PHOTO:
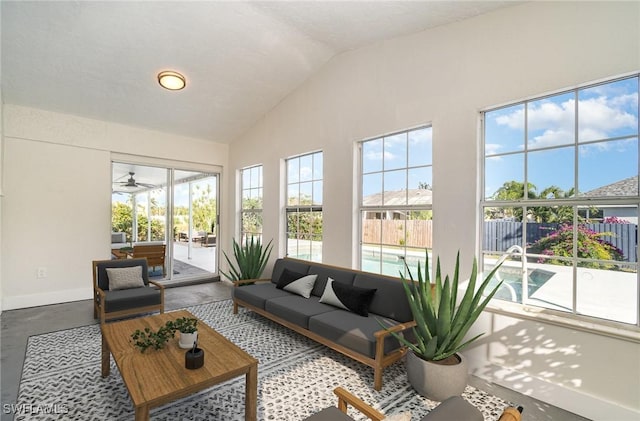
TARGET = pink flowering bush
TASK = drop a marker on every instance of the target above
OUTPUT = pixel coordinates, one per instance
(591, 245)
(614, 220)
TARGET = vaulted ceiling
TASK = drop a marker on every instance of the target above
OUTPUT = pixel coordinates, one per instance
(100, 59)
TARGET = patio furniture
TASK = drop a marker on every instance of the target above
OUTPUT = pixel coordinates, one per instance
(154, 253)
(454, 408)
(115, 292)
(209, 240)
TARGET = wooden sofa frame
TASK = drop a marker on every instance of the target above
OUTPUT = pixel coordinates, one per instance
(378, 363)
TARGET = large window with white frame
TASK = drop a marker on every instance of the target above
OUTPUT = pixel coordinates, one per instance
(251, 212)
(304, 206)
(396, 201)
(561, 198)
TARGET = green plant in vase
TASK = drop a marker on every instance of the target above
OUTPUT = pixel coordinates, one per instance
(250, 260)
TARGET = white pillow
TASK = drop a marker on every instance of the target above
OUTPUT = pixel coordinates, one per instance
(330, 297)
(125, 278)
(302, 286)
(402, 416)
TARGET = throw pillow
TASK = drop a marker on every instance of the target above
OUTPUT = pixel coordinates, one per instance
(402, 416)
(347, 297)
(297, 283)
(125, 278)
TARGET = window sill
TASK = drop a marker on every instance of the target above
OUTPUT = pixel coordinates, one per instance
(543, 315)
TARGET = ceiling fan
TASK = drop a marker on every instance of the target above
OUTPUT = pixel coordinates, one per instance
(132, 183)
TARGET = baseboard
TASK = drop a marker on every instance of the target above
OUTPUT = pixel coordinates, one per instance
(574, 401)
(47, 298)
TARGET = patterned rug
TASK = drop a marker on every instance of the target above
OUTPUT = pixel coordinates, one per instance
(296, 377)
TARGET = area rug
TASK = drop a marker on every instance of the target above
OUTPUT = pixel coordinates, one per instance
(296, 377)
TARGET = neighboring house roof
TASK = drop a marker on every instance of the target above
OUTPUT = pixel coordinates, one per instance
(400, 198)
(626, 187)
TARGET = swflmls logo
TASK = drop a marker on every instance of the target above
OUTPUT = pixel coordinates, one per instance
(32, 409)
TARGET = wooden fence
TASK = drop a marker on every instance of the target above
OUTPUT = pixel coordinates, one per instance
(392, 232)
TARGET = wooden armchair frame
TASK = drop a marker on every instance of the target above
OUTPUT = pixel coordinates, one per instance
(99, 298)
(345, 398)
(154, 253)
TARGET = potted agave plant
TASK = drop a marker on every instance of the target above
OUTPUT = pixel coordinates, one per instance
(435, 367)
(251, 259)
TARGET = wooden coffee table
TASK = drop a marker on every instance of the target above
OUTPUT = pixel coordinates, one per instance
(156, 377)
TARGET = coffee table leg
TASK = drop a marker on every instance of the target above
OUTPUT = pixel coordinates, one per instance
(142, 413)
(251, 394)
(106, 367)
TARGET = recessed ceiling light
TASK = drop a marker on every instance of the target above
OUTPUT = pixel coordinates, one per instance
(173, 81)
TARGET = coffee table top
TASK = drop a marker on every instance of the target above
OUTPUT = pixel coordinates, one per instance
(159, 376)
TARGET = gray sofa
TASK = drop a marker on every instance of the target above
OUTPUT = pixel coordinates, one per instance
(361, 338)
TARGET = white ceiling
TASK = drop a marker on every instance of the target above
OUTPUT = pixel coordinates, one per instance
(100, 59)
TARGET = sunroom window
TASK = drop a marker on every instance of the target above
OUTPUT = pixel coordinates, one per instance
(560, 197)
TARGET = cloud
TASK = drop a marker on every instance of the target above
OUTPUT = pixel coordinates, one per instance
(598, 118)
(377, 156)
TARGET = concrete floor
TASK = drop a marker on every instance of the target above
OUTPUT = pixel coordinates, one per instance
(18, 325)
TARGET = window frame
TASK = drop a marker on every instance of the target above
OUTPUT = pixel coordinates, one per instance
(524, 308)
(258, 212)
(304, 208)
(382, 208)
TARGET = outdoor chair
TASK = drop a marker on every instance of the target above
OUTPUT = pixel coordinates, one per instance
(122, 288)
(452, 409)
(154, 253)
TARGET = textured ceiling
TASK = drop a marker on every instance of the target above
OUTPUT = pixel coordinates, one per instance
(100, 59)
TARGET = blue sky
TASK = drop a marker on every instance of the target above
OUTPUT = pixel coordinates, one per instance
(604, 112)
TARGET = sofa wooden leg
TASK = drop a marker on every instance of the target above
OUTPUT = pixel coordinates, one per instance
(377, 378)
(235, 308)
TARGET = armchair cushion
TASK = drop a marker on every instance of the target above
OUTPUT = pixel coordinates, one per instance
(329, 414)
(125, 278)
(126, 299)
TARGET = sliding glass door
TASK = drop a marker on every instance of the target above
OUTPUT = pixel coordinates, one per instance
(169, 211)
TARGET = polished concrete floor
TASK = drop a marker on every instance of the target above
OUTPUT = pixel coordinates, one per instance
(18, 325)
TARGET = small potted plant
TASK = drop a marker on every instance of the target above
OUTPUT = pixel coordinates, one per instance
(188, 331)
(147, 338)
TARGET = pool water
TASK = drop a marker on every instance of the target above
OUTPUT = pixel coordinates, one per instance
(511, 289)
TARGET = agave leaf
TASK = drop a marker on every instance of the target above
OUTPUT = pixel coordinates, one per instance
(250, 259)
(441, 325)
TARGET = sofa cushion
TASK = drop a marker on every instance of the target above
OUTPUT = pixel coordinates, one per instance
(352, 331)
(125, 299)
(454, 408)
(258, 294)
(296, 309)
(296, 283)
(329, 414)
(343, 276)
(125, 278)
(293, 265)
(390, 299)
(348, 297)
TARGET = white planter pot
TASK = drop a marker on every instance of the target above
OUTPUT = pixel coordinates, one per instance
(436, 381)
(186, 340)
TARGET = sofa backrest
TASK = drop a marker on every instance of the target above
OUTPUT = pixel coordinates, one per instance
(343, 276)
(390, 299)
(291, 264)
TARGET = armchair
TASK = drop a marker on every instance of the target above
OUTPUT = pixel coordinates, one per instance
(128, 292)
(452, 409)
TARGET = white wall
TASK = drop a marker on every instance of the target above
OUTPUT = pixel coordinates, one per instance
(444, 76)
(56, 210)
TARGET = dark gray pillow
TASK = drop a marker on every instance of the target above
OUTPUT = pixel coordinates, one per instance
(354, 299)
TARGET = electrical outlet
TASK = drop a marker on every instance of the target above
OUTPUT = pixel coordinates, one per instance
(41, 273)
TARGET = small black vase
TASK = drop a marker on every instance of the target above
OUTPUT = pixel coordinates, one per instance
(194, 358)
